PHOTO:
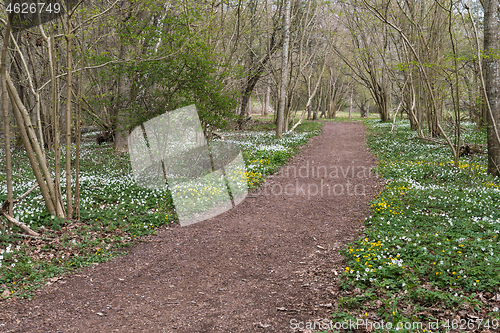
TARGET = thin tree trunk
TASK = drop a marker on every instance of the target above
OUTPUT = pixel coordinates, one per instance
(492, 78)
(55, 118)
(350, 103)
(320, 101)
(249, 106)
(399, 107)
(263, 110)
(38, 103)
(6, 122)
(69, 197)
(268, 95)
(78, 130)
(78, 134)
(284, 70)
(120, 120)
(457, 91)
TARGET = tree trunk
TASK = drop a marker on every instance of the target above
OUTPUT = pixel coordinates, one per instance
(262, 101)
(119, 119)
(350, 103)
(492, 78)
(55, 128)
(69, 197)
(284, 69)
(382, 101)
(318, 103)
(6, 122)
(266, 98)
(46, 193)
(78, 129)
(249, 106)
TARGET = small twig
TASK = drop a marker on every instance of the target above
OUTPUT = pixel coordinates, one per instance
(21, 197)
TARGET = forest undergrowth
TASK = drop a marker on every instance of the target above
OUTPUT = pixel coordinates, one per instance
(430, 254)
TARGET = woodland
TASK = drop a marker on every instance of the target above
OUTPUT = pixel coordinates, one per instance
(117, 64)
(100, 68)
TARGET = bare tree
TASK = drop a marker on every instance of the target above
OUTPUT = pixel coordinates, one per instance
(366, 55)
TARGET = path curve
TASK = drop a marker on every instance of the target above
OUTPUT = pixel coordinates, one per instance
(256, 268)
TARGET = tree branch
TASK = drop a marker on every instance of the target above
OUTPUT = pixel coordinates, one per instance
(21, 197)
(19, 224)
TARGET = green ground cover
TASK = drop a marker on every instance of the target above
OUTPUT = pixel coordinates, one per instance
(431, 249)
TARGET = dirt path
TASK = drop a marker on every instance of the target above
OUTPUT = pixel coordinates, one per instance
(253, 269)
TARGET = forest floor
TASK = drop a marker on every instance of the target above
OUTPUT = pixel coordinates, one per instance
(272, 261)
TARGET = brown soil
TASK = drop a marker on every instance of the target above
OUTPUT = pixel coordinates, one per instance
(272, 259)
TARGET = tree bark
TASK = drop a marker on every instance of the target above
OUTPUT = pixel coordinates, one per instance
(492, 78)
(350, 103)
(5, 109)
(268, 96)
(265, 99)
(69, 197)
(78, 129)
(284, 69)
(249, 106)
(19, 224)
(55, 118)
